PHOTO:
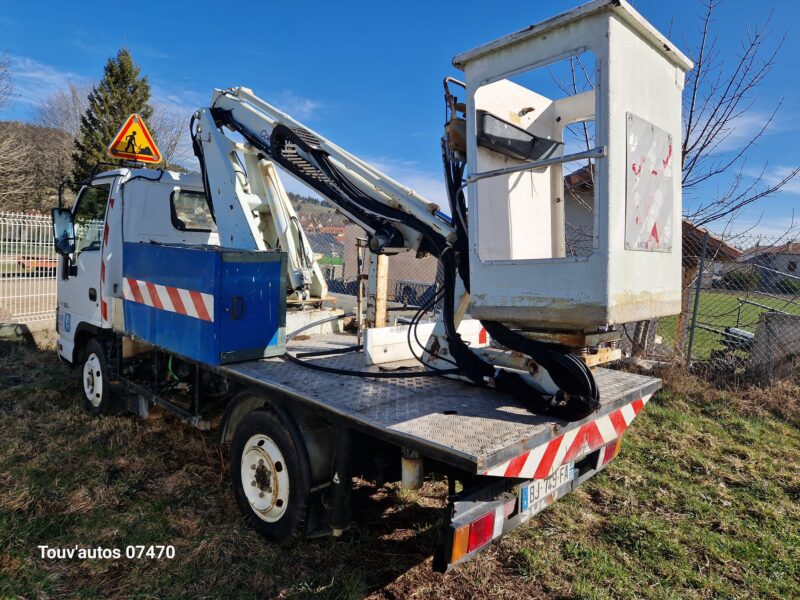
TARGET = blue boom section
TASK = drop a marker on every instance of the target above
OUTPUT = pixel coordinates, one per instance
(249, 301)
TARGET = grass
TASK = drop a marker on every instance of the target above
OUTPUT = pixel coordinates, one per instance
(720, 309)
(703, 502)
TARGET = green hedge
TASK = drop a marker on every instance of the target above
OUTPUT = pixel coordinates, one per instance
(789, 285)
(746, 278)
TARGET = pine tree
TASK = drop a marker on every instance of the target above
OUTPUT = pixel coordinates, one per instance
(121, 92)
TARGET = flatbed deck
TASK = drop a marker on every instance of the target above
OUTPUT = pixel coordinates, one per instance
(469, 427)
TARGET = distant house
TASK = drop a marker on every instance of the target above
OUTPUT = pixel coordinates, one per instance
(775, 263)
(579, 233)
(717, 249)
(579, 218)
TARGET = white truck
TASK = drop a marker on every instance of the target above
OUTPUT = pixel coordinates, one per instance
(177, 290)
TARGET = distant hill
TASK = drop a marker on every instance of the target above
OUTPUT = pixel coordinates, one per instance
(309, 204)
(316, 211)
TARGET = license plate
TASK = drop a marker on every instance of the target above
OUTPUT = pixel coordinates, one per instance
(538, 494)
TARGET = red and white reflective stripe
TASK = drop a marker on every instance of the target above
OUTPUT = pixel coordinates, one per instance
(542, 461)
(163, 297)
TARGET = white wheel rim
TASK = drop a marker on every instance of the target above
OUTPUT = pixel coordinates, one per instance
(265, 478)
(93, 380)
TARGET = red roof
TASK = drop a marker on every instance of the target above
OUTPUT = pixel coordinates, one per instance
(717, 248)
(787, 248)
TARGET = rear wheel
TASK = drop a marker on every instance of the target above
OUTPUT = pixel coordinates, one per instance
(270, 473)
(95, 378)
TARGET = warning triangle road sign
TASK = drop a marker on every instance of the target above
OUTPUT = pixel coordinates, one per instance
(134, 142)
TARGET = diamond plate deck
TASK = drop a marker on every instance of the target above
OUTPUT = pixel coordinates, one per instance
(470, 427)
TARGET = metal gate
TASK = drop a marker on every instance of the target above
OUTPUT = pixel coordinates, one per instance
(27, 269)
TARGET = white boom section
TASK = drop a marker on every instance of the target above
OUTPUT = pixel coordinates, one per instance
(252, 209)
(261, 118)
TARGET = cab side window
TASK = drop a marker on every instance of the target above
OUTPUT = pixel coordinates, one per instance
(89, 213)
(190, 211)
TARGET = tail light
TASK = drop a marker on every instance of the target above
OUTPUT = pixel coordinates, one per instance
(479, 532)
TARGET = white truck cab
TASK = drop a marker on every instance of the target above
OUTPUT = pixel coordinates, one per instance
(133, 205)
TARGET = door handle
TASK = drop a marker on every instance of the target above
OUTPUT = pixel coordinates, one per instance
(237, 308)
(93, 294)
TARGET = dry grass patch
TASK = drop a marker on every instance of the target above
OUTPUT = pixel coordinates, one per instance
(703, 502)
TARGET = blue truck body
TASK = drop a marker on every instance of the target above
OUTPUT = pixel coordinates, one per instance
(210, 304)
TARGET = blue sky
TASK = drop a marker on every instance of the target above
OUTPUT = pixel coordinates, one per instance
(367, 75)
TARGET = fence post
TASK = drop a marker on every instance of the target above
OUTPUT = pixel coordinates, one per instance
(377, 294)
(361, 278)
(697, 298)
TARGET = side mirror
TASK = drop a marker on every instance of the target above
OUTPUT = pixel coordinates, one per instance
(63, 231)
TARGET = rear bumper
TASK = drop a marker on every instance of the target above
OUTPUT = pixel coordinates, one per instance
(500, 499)
(578, 440)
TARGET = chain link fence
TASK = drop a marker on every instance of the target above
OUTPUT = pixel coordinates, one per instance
(740, 314)
(411, 281)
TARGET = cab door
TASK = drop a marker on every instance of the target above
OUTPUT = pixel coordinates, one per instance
(79, 288)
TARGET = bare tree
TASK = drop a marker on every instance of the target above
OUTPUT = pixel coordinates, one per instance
(63, 109)
(170, 126)
(719, 103)
(720, 95)
(16, 181)
(57, 120)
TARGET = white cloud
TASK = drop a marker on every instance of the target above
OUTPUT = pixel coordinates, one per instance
(427, 183)
(106, 46)
(753, 223)
(773, 176)
(149, 52)
(91, 47)
(181, 99)
(778, 174)
(293, 104)
(743, 129)
(35, 81)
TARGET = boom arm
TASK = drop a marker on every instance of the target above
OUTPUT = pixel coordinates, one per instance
(395, 217)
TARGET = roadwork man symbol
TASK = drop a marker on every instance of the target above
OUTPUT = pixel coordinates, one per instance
(134, 142)
(131, 146)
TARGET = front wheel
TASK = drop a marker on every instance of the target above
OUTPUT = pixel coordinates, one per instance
(96, 381)
(271, 476)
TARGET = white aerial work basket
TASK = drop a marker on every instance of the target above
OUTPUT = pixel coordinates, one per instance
(601, 246)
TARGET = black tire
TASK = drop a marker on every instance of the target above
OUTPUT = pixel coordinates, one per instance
(286, 505)
(98, 398)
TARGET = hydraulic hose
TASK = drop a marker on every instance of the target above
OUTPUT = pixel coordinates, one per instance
(336, 371)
